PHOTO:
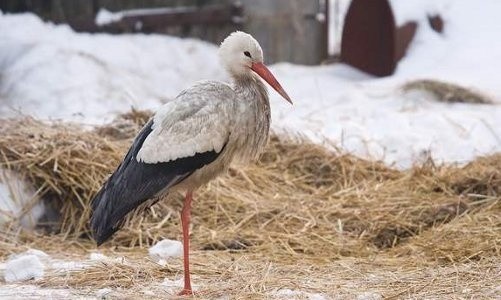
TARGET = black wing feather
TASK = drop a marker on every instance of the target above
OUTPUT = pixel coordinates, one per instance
(133, 183)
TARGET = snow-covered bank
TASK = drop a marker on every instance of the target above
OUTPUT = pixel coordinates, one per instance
(52, 72)
(375, 119)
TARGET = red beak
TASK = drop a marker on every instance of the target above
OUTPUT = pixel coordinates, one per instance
(264, 73)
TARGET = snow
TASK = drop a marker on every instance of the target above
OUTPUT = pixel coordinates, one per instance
(369, 296)
(103, 293)
(34, 263)
(165, 249)
(49, 71)
(104, 17)
(23, 292)
(42, 256)
(22, 268)
(173, 286)
(293, 294)
(96, 256)
(337, 13)
(416, 10)
(99, 257)
(169, 283)
(372, 118)
(63, 266)
(92, 77)
(16, 197)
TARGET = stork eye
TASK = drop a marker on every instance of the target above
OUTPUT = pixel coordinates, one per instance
(247, 53)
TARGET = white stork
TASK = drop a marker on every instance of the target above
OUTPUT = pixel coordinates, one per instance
(191, 140)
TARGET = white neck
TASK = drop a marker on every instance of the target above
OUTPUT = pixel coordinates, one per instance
(251, 88)
(255, 123)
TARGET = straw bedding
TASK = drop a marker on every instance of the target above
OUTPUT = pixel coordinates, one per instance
(300, 203)
(447, 92)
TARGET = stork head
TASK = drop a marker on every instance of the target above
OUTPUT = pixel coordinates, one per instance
(242, 56)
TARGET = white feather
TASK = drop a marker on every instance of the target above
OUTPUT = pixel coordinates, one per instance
(196, 121)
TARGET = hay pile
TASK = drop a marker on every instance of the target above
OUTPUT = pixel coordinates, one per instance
(447, 92)
(300, 200)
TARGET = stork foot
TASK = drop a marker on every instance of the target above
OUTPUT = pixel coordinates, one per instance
(186, 292)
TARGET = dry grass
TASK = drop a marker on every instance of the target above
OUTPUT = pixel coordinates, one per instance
(252, 276)
(447, 92)
(299, 212)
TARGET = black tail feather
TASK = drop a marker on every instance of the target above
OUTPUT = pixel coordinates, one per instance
(100, 224)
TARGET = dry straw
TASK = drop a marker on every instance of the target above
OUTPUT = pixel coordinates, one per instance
(300, 201)
(447, 92)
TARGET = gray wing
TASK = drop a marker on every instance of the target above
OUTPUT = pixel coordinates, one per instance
(197, 121)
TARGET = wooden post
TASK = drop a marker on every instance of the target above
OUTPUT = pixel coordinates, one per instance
(287, 30)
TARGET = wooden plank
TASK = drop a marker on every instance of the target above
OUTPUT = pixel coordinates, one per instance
(118, 5)
(63, 11)
(156, 19)
(54, 10)
(182, 16)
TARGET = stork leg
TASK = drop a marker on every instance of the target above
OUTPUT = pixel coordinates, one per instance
(185, 222)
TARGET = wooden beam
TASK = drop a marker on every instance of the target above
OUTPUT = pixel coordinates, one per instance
(150, 20)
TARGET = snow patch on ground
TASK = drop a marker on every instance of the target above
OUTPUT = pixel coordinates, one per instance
(293, 294)
(173, 283)
(22, 292)
(96, 256)
(103, 293)
(148, 293)
(99, 257)
(164, 250)
(174, 286)
(22, 268)
(33, 264)
(62, 266)
(369, 296)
